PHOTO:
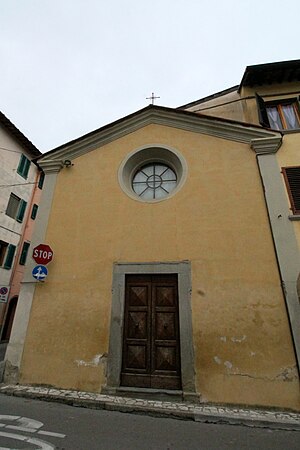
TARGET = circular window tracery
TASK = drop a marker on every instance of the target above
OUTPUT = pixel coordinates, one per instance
(152, 174)
(154, 181)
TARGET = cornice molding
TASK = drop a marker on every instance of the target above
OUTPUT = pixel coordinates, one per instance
(154, 115)
(267, 145)
(51, 165)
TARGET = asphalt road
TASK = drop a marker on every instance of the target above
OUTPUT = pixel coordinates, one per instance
(32, 424)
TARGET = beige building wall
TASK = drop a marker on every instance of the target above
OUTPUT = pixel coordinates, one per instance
(11, 231)
(218, 221)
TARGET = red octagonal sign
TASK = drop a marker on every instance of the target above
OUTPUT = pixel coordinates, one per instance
(42, 254)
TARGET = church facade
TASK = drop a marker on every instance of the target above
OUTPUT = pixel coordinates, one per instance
(176, 258)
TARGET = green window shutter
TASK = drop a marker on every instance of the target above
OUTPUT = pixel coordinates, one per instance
(34, 211)
(21, 211)
(41, 180)
(26, 168)
(262, 112)
(23, 256)
(9, 256)
(23, 167)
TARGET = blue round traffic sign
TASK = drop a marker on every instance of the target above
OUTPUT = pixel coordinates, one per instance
(40, 272)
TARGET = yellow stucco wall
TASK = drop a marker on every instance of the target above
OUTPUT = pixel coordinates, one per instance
(288, 156)
(218, 221)
(228, 105)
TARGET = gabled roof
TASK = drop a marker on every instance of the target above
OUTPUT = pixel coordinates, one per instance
(152, 114)
(277, 72)
(18, 135)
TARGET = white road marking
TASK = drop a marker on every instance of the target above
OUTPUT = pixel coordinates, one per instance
(50, 433)
(30, 423)
(42, 445)
(27, 425)
(6, 417)
(26, 429)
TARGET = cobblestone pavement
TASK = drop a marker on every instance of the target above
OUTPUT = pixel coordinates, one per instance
(276, 419)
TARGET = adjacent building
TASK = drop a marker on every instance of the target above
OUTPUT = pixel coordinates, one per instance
(176, 252)
(19, 199)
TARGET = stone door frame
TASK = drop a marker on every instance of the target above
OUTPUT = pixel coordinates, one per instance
(114, 361)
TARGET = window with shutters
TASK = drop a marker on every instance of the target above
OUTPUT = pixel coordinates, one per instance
(34, 211)
(3, 250)
(292, 179)
(41, 180)
(23, 167)
(279, 115)
(24, 253)
(9, 256)
(16, 207)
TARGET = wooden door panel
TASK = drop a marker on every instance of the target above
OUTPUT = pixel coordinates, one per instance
(165, 358)
(138, 295)
(151, 353)
(165, 295)
(137, 324)
(165, 326)
(136, 362)
(136, 357)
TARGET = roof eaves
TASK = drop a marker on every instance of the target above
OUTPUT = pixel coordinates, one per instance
(19, 136)
(210, 97)
(160, 115)
(274, 67)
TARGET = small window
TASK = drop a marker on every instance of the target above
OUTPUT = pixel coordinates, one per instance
(292, 179)
(280, 115)
(34, 211)
(13, 206)
(23, 167)
(41, 180)
(9, 256)
(283, 116)
(16, 207)
(24, 253)
(3, 249)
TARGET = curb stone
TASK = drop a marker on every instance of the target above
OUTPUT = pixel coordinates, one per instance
(280, 420)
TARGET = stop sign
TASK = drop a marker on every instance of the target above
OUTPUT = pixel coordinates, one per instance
(42, 254)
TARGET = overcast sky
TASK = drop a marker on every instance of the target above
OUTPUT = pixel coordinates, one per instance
(71, 66)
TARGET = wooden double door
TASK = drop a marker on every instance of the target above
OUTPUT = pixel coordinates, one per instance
(151, 345)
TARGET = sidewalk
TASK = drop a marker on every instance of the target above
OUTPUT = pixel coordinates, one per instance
(283, 420)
